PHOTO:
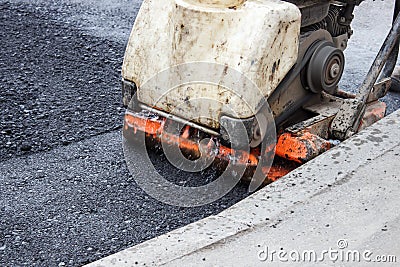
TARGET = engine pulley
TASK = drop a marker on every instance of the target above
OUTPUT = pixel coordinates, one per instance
(325, 68)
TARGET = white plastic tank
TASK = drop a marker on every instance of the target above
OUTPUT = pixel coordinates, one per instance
(258, 38)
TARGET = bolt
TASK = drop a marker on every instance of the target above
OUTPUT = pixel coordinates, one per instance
(334, 71)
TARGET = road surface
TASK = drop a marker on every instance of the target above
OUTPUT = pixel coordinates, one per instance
(66, 195)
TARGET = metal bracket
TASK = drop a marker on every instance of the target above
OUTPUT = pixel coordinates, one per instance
(349, 114)
(347, 120)
(379, 90)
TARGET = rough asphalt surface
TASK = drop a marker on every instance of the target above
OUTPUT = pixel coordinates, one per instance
(60, 83)
(66, 195)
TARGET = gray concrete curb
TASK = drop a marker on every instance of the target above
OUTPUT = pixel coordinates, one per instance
(267, 206)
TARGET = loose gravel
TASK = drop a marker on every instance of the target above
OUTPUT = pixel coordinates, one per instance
(58, 85)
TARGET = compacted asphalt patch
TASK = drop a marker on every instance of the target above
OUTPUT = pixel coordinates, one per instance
(58, 84)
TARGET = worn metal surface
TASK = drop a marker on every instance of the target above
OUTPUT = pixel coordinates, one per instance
(309, 138)
(172, 32)
(347, 120)
(374, 112)
(302, 147)
(153, 126)
(194, 144)
(379, 90)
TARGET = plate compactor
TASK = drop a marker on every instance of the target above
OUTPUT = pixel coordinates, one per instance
(291, 52)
